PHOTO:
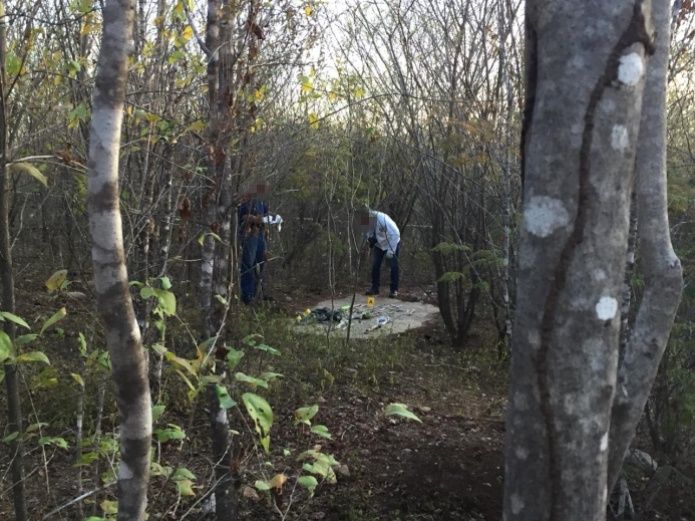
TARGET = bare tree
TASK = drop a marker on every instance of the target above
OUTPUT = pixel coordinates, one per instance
(110, 274)
(593, 105)
(7, 281)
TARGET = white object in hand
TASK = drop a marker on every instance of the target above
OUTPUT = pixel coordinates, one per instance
(274, 219)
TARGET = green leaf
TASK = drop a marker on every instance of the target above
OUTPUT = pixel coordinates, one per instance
(254, 382)
(260, 412)
(11, 437)
(5, 346)
(13, 65)
(159, 349)
(55, 441)
(147, 292)
(29, 169)
(223, 397)
(267, 349)
(166, 283)
(262, 485)
(400, 409)
(82, 344)
(25, 339)
(305, 414)
(159, 470)
(185, 487)
(56, 281)
(167, 301)
(14, 318)
(181, 362)
(270, 376)
(78, 379)
(322, 431)
(171, 432)
(234, 356)
(33, 356)
(109, 507)
(183, 473)
(35, 427)
(308, 482)
(157, 411)
(78, 115)
(57, 316)
(250, 340)
(87, 458)
(450, 277)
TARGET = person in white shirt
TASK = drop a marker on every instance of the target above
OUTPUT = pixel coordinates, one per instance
(384, 238)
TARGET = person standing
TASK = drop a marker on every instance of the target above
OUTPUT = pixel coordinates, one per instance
(384, 239)
(251, 212)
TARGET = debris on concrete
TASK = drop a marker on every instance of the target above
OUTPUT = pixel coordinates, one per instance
(369, 317)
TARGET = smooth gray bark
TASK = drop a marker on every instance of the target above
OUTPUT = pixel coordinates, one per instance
(586, 68)
(110, 276)
(659, 265)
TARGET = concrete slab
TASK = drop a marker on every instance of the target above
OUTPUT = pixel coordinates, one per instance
(385, 317)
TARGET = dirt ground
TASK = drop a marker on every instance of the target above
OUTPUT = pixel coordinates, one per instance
(449, 467)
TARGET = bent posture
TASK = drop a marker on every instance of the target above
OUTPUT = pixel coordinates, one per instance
(384, 239)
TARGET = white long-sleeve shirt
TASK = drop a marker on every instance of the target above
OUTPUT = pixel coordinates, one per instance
(385, 231)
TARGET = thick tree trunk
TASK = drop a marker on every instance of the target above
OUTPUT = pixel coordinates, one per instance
(658, 262)
(14, 408)
(110, 275)
(580, 138)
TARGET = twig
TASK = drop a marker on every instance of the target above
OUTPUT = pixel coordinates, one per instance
(77, 499)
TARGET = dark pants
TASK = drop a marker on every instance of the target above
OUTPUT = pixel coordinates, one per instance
(252, 255)
(377, 257)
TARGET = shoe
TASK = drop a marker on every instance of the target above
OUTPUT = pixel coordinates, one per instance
(393, 294)
(372, 292)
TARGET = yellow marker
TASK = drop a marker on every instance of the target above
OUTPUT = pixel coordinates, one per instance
(370, 302)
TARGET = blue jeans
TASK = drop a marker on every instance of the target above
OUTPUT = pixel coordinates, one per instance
(252, 254)
(377, 257)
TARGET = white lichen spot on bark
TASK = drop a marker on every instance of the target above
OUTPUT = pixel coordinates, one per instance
(516, 503)
(599, 275)
(606, 308)
(543, 215)
(521, 453)
(619, 138)
(222, 417)
(630, 69)
(604, 443)
(124, 471)
(208, 266)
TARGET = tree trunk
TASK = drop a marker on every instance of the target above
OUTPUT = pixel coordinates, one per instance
(110, 274)
(580, 138)
(658, 262)
(14, 408)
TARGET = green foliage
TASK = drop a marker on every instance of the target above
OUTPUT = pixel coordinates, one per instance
(305, 414)
(451, 276)
(262, 415)
(30, 170)
(223, 397)
(55, 318)
(400, 409)
(447, 248)
(169, 433)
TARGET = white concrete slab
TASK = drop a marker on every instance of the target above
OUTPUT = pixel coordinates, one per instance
(386, 317)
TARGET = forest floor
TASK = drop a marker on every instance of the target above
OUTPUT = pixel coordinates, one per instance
(448, 467)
